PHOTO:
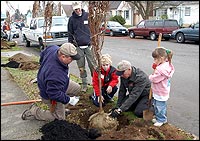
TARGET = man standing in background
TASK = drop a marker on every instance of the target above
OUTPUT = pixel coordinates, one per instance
(79, 35)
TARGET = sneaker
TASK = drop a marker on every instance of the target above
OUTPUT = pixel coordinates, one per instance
(154, 120)
(27, 115)
(158, 124)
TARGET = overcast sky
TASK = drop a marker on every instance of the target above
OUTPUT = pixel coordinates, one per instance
(23, 6)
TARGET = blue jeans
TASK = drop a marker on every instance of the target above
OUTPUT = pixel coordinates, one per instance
(160, 108)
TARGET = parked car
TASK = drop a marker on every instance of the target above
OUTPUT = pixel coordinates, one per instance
(152, 29)
(57, 35)
(114, 28)
(190, 34)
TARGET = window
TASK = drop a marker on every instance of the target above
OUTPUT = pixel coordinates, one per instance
(187, 11)
(141, 24)
(126, 14)
(159, 23)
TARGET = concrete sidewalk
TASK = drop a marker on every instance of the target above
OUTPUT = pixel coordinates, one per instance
(12, 126)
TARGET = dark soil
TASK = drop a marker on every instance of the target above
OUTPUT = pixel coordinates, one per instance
(136, 129)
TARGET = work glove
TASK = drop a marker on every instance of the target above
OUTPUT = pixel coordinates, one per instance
(74, 100)
(102, 99)
(115, 113)
(154, 65)
(109, 89)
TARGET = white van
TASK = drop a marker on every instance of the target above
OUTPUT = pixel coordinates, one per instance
(57, 35)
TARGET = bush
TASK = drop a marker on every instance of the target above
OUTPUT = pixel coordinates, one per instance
(118, 18)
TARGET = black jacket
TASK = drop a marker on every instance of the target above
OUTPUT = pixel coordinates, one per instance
(78, 29)
(137, 85)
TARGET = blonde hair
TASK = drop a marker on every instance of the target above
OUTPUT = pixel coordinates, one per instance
(106, 59)
(162, 52)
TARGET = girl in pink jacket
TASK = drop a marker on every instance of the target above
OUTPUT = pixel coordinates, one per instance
(160, 79)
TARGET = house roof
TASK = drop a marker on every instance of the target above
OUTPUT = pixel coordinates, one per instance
(114, 4)
(67, 9)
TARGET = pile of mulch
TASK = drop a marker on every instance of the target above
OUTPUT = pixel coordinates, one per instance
(22, 61)
(63, 130)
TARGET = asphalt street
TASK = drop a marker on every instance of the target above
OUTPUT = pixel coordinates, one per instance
(183, 109)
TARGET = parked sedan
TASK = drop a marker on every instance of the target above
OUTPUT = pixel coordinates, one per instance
(190, 33)
(114, 28)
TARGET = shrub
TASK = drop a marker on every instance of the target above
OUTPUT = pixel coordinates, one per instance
(118, 18)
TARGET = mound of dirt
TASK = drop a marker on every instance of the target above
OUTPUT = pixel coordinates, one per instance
(20, 57)
(63, 130)
(128, 129)
(23, 62)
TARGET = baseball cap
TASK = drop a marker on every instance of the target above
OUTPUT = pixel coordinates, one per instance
(122, 66)
(76, 5)
(70, 50)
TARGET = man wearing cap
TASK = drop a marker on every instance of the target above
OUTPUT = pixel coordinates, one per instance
(79, 35)
(133, 91)
(54, 83)
(109, 81)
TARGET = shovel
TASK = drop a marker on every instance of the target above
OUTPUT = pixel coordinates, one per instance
(148, 114)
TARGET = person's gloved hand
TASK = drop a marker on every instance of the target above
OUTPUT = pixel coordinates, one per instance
(115, 113)
(102, 99)
(74, 100)
(109, 89)
(110, 110)
(154, 65)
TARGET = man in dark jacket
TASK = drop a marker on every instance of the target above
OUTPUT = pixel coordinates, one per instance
(79, 35)
(54, 83)
(134, 90)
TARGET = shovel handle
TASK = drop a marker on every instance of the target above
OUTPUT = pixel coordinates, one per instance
(20, 102)
(159, 39)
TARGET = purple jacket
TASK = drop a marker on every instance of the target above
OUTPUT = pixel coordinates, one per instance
(53, 77)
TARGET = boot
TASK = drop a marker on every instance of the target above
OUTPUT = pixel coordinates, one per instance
(84, 85)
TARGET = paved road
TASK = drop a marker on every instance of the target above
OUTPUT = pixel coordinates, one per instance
(183, 105)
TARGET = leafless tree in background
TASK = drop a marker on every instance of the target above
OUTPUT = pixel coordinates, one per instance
(36, 8)
(145, 8)
(97, 15)
(48, 18)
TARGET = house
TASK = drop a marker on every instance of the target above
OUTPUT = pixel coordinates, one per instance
(121, 8)
(186, 13)
(66, 10)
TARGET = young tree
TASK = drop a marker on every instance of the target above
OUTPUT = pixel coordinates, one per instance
(97, 15)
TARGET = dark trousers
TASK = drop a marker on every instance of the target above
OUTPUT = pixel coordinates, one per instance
(107, 97)
(140, 105)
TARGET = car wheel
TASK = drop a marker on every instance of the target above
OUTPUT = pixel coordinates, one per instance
(41, 45)
(28, 43)
(132, 34)
(153, 36)
(180, 38)
(111, 33)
